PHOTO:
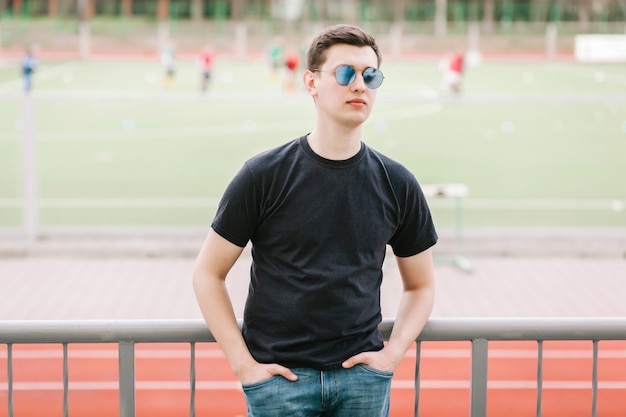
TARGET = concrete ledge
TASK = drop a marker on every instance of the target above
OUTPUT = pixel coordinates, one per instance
(535, 242)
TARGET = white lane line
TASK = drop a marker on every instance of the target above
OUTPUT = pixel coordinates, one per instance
(524, 353)
(114, 385)
(510, 384)
(235, 385)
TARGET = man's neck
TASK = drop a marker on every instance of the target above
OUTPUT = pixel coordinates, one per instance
(335, 144)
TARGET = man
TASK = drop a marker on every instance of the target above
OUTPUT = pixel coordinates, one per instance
(319, 212)
(206, 66)
(168, 61)
(29, 66)
(452, 72)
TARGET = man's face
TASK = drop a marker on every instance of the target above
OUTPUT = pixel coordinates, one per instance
(348, 106)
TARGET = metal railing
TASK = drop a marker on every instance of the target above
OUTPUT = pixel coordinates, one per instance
(126, 333)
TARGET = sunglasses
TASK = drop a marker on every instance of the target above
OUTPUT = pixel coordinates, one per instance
(346, 74)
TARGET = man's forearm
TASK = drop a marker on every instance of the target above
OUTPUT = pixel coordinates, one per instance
(416, 303)
(413, 313)
(219, 315)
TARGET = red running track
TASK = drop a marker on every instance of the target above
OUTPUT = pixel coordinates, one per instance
(162, 375)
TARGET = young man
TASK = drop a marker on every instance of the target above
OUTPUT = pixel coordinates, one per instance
(29, 66)
(319, 212)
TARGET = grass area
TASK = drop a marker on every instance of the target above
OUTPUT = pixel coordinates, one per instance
(539, 144)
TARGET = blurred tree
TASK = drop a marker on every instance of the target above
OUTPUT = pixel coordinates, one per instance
(163, 7)
(584, 9)
(323, 9)
(17, 7)
(473, 12)
(67, 8)
(489, 16)
(441, 17)
(236, 10)
(399, 10)
(197, 10)
(585, 12)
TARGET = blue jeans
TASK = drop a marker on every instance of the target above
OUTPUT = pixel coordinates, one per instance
(360, 391)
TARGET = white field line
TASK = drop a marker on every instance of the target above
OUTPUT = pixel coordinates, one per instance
(244, 128)
(236, 386)
(43, 73)
(597, 75)
(115, 202)
(403, 113)
(218, 354)
(469, 203)
(532, 204)
(174, 133)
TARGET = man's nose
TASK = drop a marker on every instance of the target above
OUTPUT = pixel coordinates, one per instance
(359, 81)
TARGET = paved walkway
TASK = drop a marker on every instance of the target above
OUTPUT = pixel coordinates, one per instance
(66, 287)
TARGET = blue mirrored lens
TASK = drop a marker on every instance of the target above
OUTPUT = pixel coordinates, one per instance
(345, 75)
(373, 77)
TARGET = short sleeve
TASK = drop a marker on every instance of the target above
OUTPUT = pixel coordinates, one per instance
(237, 215)
(416, 230)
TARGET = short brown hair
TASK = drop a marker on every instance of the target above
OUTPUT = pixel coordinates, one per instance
(338, 34)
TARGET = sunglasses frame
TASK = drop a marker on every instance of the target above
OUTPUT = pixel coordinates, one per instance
(350, 80)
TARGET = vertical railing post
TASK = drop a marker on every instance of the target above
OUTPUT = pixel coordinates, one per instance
(594, 381)
(478, 390)
(539, 377)
(192, 382)
(10, 377)
(418, 359)
(66, 376)
(127, 378)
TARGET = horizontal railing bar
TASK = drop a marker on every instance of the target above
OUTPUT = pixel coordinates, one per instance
(532, 329)
(104, 331)
(195, 330)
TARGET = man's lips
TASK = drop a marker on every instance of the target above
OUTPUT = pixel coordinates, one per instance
(357, 102)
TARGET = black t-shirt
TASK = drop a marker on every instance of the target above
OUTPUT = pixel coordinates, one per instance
(319, 230)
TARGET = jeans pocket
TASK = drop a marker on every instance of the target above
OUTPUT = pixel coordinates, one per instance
(378, 372)
(273, 397)
(260, 384)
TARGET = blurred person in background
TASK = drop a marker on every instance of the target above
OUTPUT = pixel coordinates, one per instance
(451, 68)
(275, 58)
(168, 61)
(206, 67)
(291, 71)
(319, 212)
(29, 65)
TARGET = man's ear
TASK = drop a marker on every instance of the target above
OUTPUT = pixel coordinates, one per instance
(310, 82)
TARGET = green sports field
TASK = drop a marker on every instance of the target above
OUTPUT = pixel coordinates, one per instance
(537, 143)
